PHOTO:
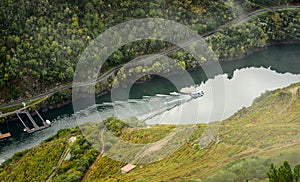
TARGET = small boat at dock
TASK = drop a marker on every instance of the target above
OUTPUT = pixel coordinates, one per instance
(48, 122)
(4, 136)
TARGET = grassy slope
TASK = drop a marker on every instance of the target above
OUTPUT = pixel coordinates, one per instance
(36, 164)
(270, 124)
(249, 141)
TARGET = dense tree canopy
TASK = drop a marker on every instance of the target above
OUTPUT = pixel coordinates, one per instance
(284, 173)
(41, 41)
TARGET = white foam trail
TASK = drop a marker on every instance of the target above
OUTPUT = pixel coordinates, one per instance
(175, 94)
(107, 103)
(161, 95)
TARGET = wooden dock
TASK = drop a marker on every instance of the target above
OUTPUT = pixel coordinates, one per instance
(4, 136)
(36, 127)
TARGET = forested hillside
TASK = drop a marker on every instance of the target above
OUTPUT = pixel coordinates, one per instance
(41, 40)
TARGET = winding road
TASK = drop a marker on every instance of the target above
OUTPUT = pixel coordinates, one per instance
(115, 69)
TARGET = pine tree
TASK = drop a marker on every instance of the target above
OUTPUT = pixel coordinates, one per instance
(297, 173)
(284, 173)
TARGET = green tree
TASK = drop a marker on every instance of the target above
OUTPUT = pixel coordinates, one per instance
(297, 173)
(284, 173)
(273, 173)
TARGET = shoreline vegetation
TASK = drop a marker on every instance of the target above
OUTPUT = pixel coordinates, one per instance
(230, 43)
(251, 141)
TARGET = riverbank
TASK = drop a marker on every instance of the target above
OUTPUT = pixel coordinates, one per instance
(245, 80)
(45, 106)
(46, 51)
(64, 97)
(247, 140)
(256, 50)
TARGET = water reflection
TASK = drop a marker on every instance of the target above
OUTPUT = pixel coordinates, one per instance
(245, 80)
(241, 90)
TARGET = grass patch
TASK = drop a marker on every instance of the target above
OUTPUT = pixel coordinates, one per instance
(248, 143)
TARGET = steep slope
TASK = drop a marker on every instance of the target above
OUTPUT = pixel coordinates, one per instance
(248, 142)
(270, 125)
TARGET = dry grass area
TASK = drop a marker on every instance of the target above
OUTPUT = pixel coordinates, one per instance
(252, 132)
(249, 142)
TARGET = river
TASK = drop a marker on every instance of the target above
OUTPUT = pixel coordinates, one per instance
(276, 67)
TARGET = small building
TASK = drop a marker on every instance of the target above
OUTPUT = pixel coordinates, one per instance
(127, 168)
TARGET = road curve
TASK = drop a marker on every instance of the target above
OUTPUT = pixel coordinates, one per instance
(112, 71)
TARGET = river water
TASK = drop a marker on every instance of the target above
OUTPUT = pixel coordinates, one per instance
(152, 101)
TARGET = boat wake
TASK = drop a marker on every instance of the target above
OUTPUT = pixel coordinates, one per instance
(143, 109)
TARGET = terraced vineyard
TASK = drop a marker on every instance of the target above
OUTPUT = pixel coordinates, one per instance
(248, 142)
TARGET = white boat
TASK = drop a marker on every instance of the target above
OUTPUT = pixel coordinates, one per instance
(48, 122)
(196, 94)
(175, 93)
